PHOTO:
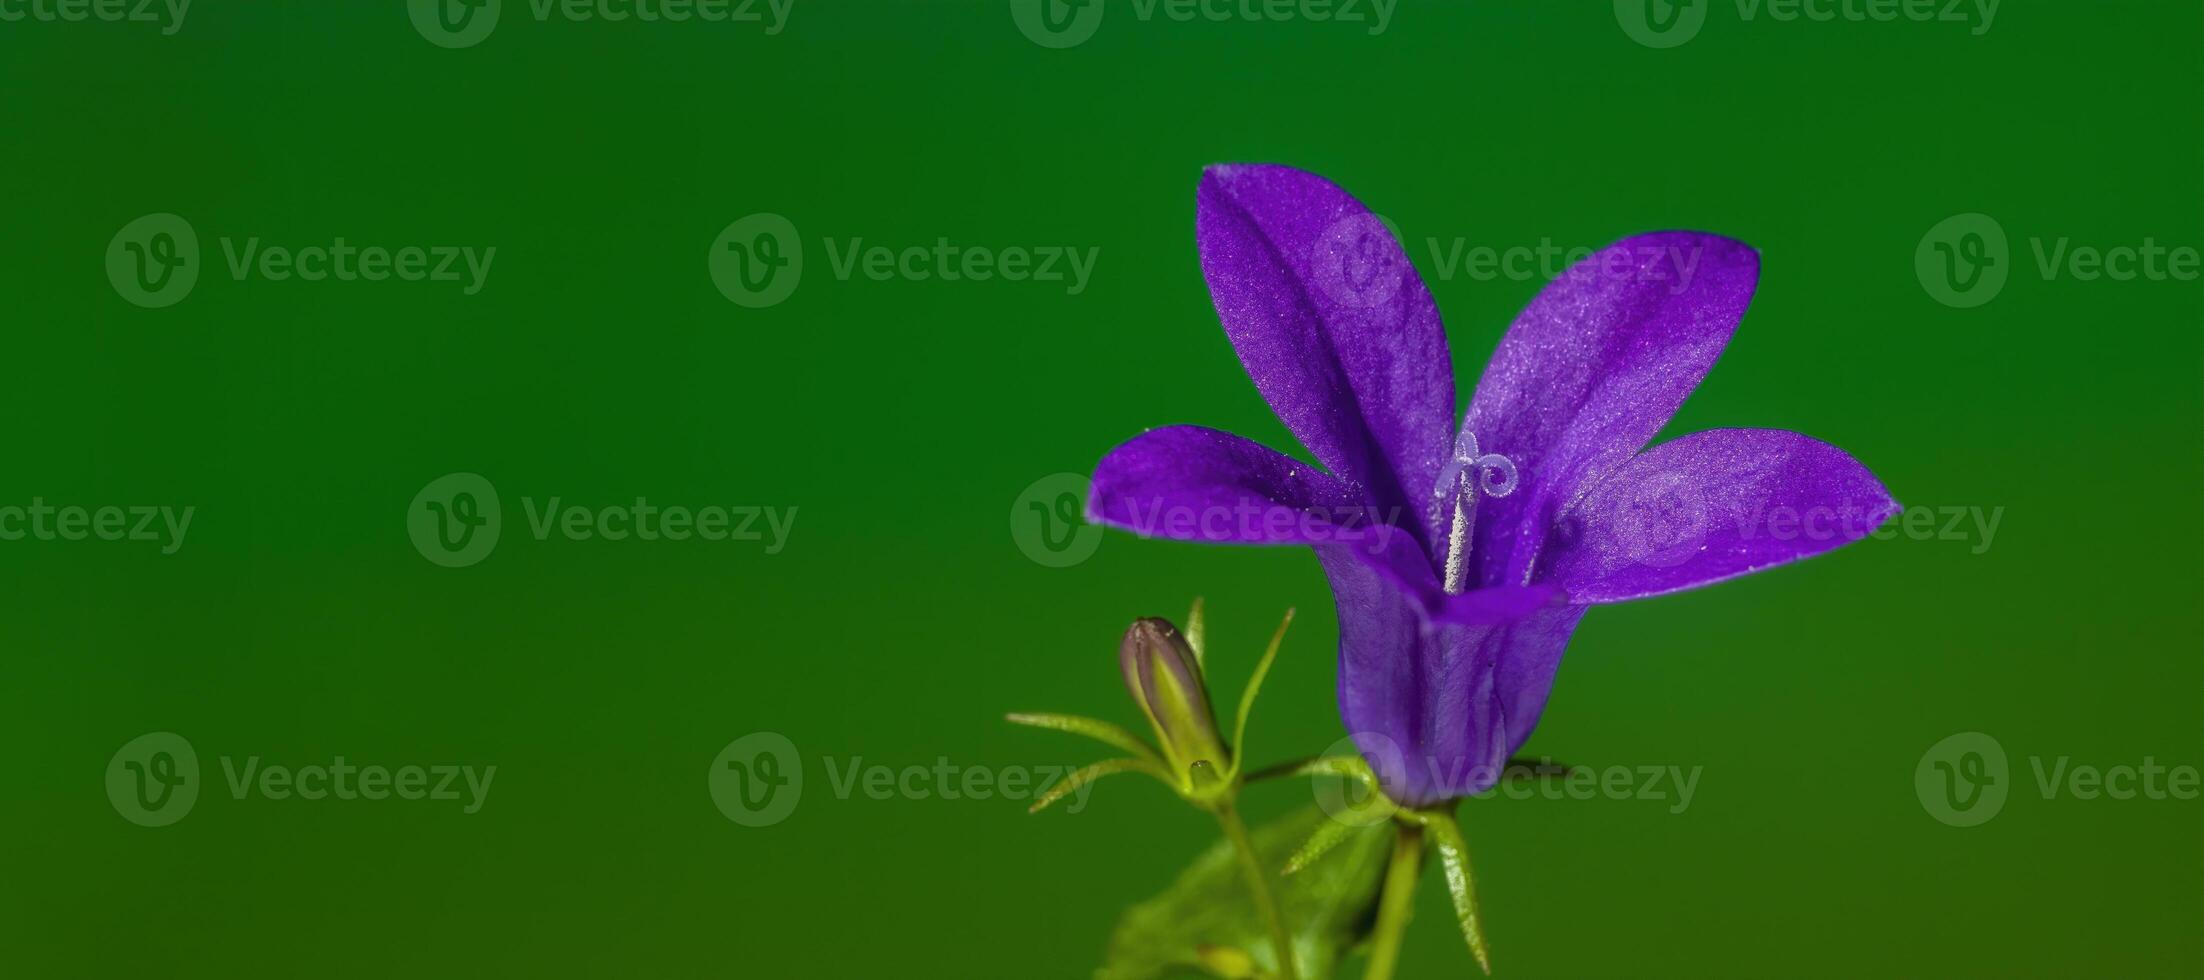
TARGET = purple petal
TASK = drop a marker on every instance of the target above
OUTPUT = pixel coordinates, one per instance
(1334, 326)
(1437, 709)
(1189, 483)
(1592, 369)
(1711, 506)
(1498, 604)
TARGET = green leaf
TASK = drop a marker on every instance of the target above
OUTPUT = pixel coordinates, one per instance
(1327, 906)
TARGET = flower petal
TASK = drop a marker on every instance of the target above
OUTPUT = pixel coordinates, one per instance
(1190, 483)
(1335, 327)
(1711, 506)
(1592, 369)
(1437, 709)
(1497, 604)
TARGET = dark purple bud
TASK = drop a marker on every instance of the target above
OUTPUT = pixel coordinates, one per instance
(1166, 682)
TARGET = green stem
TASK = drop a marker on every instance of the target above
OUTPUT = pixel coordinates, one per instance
(1258, 882)
(1275, 771)
(1397, 904)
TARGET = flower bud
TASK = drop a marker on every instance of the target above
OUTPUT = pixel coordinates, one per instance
(1166, 681)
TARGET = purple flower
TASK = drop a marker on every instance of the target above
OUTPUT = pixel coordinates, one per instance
(1461, 559)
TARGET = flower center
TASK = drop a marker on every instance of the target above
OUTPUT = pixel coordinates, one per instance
(1460, 480)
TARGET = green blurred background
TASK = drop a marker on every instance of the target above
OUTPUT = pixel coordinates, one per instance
(904, 419)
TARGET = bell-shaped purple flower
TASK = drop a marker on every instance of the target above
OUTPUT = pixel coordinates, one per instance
(1461, 557)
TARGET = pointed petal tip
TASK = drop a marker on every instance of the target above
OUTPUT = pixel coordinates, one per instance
(1716, 505)
(1227, 171)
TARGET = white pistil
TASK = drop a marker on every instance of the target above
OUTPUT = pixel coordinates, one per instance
(1495, 475)
(1458, 536)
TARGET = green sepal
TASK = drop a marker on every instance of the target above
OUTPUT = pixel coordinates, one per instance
(1328, 835)
(1524, 769)
(1093, 728)
(1453, 850)
(1254, 686)
(1327, 907)
(1070, 784)
(1197, 632)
